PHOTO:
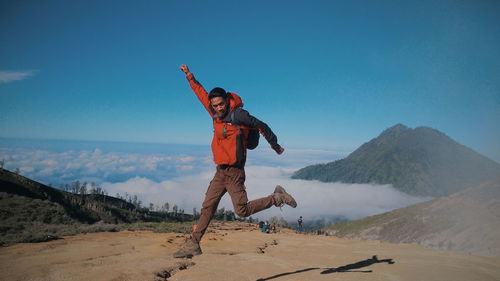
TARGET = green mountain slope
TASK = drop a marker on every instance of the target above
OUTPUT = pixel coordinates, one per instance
(420, 161)
(23, 199)
(33, 212)
(60, 206)
(467, 221)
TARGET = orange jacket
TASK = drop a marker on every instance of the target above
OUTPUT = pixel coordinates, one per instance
(229, 141)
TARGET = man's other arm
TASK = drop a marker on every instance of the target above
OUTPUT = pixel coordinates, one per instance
(244, 118)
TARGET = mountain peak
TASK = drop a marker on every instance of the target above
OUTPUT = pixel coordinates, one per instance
(421, 161)
(392, 133)
(396, 128)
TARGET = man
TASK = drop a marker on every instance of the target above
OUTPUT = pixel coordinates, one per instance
(232, 126)
(299, 224)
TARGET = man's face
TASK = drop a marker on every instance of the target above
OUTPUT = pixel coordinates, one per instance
(219, 105)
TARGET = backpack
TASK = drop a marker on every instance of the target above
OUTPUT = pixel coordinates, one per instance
(253, 133)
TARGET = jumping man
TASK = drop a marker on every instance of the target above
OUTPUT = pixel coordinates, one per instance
(232, 125)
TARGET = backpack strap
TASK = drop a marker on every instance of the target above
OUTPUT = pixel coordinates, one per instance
(233, 120)
(233, 117)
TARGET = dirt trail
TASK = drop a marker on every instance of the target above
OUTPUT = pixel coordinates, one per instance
(236, 252)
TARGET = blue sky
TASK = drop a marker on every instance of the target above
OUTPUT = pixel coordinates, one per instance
(322, 74)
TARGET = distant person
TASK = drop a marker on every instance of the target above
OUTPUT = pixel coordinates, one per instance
(265, 228)
(299, 225)
(232, 128)
(261, 224)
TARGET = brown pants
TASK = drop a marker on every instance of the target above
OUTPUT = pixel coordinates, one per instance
(230, 179)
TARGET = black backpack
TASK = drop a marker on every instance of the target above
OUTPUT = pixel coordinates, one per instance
(253, 133)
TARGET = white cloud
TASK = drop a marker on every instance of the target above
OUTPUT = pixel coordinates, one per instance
(185, 168)
(26, 169)
(72, 165)
(49, 162)
(128, 169)
(97, 153)
(182, 179)
(292, 157)
(10, 76)
(185, 159)
(183, 191)
(98, 164)
(315, 199)
(46, 172)
(135, 186)
(112, 166)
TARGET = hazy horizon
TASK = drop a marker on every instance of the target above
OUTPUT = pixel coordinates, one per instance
(180, 174)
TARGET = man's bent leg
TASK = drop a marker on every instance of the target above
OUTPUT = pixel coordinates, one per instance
(214, 193)
(236, 188)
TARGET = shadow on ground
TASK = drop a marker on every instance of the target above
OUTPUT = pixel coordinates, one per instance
(346, 268)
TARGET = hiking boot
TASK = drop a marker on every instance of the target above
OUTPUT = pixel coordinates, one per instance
(189, 249)
(281, 197)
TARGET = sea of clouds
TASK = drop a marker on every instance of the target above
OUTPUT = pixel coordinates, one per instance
(180, 174)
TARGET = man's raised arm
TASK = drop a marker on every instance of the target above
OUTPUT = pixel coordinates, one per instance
(197, 89)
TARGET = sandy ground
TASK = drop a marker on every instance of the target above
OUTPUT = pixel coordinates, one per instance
(236, 252)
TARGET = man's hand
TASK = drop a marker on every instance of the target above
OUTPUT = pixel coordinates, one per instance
(185, 69)
(280, 150)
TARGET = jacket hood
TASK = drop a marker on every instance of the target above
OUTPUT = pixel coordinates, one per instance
(234, 101)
